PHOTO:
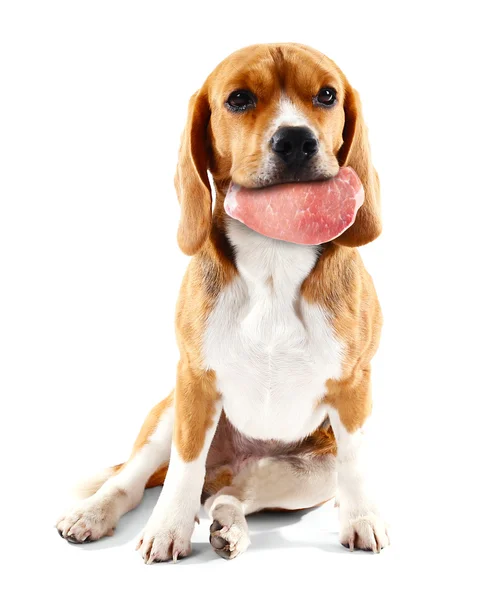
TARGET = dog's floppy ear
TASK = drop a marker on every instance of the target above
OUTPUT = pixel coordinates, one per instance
(355, 152)
(191, 180)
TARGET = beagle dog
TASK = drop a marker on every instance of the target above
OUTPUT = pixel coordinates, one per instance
(273, 388)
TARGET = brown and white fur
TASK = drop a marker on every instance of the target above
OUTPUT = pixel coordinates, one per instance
(273, 383)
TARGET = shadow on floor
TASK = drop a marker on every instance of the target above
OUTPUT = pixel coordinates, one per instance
(265, 532)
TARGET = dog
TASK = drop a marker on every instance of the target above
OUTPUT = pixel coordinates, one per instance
(273, 389)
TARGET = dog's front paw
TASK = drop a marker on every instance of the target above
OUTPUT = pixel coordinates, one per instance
(364, 531)
(165, 539)
(89, 520)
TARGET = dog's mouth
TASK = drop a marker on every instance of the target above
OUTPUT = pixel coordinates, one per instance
(299, 175)
(302, 212)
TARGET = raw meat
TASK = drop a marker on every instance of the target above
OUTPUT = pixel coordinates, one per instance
(311, 212)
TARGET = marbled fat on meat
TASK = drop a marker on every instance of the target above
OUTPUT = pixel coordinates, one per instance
(311, 212)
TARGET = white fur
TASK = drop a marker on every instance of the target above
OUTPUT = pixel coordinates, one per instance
(228, 512)
(273, 482)
(269, 483)
(97, 515)
(361, 524)
(170, 527)
(272, 352)
(152, 454)
(289, 115)
(89, 485)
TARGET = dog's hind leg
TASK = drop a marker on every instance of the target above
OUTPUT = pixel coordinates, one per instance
(282, 482)
(121, 488)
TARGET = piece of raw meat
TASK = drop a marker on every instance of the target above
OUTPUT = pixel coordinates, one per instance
(310, 212)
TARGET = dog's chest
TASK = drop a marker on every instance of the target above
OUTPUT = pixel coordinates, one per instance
(272, 351)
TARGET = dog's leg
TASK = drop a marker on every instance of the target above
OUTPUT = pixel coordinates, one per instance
(289, 483)
(96, 516)
(197, 409)
(361, 524)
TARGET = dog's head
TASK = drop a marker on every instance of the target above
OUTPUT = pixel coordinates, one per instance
(270, 114)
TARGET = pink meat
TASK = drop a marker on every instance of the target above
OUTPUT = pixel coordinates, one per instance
(311, 212)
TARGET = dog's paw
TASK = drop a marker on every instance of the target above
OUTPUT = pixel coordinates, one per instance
(366, 532)
(165, 539)
(229, 535)
(89, 520)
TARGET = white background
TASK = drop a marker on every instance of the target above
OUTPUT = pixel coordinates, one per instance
(93, 100)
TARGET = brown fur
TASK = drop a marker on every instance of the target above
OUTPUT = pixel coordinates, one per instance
(195, 398)
(157, 478)
(151, 421)
(341, 284)
(217, 479)
(230, 146)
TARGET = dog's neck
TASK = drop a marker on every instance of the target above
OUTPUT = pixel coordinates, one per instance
(260, 260)
(266, 263)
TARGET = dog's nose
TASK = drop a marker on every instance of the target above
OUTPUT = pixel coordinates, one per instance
(295, 145)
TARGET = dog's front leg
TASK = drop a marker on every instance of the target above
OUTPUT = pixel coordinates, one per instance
(169, 530)
(361, 524)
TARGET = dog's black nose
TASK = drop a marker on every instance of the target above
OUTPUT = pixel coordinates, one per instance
(295, 145)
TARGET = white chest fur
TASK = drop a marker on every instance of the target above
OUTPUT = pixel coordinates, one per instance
(272, 351)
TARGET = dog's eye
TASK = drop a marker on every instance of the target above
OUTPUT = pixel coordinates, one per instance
(241, 100)
(325, 97)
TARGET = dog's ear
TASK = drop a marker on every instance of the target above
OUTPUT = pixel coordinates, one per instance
(191, 180)
(355, 152)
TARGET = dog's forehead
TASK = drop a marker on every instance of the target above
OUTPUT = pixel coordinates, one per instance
(264, 67)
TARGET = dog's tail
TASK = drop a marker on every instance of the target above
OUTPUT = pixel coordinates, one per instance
(87, 487)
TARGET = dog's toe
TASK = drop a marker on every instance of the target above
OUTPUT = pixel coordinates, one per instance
(229, 535)
(90, 520)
